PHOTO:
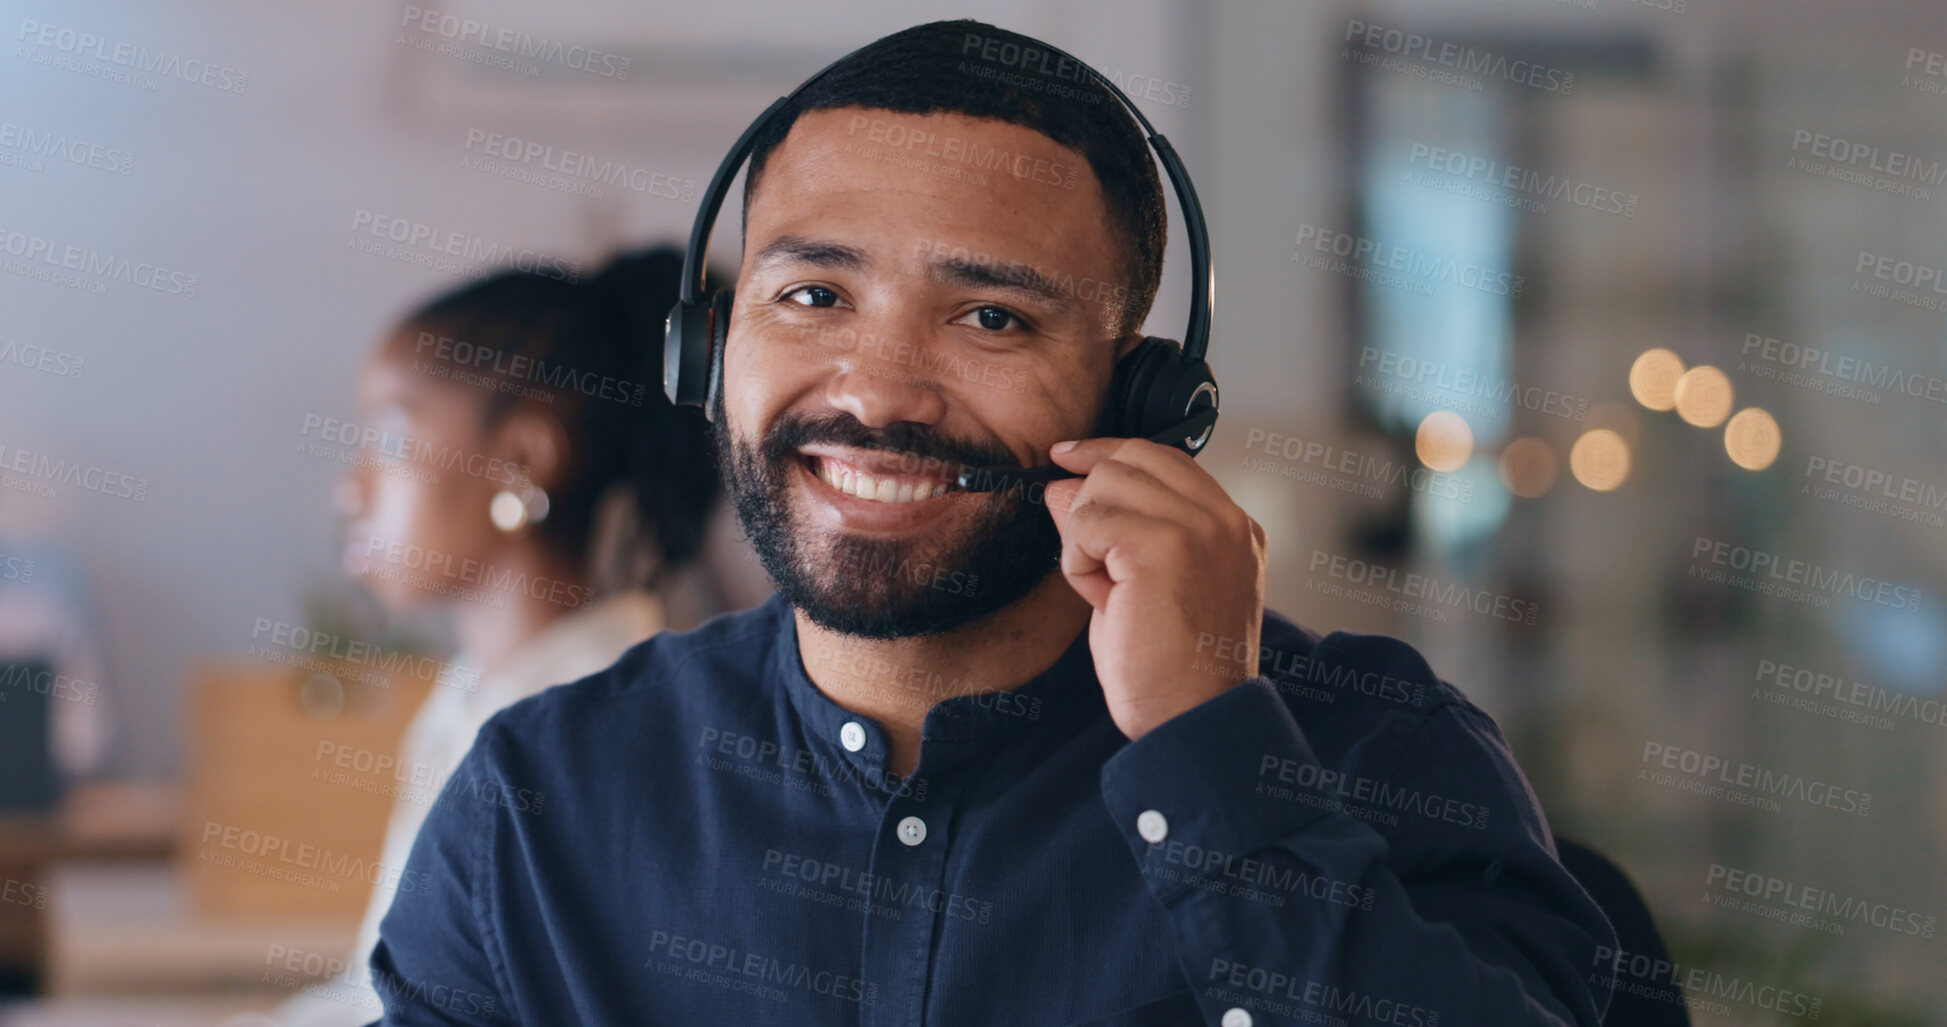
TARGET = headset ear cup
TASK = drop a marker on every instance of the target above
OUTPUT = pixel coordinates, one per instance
(1190, 386)
(1157, 409)
(1164, 388)
(686, 353)
(719, 331)
(1124, 414)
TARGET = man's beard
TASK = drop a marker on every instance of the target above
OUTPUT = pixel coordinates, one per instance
(878, 587)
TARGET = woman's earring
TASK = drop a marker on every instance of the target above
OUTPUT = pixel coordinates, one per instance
(511, 511)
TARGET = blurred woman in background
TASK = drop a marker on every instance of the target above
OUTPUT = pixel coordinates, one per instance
(568, 480)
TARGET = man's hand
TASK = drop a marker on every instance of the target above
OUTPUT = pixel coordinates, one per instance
(1159, 550)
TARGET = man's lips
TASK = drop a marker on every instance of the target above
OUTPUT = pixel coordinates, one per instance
(880, 477)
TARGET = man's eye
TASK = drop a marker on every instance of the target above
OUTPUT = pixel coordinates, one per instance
(996, 319)
(813, 296)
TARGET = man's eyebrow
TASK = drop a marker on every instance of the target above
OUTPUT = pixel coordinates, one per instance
(1015, 277)
(796, 249)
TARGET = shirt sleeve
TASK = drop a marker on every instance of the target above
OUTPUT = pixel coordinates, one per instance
(1413, 882)
(435, 959)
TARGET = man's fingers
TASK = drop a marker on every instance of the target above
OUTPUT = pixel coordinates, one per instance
(1119, 541)
(1176, 469)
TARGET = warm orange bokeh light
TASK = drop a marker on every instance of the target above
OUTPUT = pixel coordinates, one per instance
(1704, 396)
(1599, 459)
(1444, 442)
(1653, 378)
(1753, 439)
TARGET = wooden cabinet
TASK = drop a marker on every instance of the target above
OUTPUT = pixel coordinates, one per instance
(291, 775)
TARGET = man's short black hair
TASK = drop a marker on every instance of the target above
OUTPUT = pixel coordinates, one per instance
(975, 69)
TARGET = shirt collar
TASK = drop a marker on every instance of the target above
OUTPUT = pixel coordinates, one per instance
(1067, 686)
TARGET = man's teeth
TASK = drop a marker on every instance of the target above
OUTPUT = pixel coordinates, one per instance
(878, 490)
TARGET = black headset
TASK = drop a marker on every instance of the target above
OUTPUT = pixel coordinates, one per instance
(1161, 391)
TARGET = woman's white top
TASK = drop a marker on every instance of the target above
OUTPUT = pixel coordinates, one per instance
(571, 647)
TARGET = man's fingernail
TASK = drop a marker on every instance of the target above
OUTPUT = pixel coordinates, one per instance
(1063, 447)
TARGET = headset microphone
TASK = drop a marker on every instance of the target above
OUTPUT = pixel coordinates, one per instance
(1160, 391)
(1189, 434)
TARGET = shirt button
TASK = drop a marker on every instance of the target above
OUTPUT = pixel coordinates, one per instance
(1236, 1017)
(851, 736)
(1151, 825)
(912, 830)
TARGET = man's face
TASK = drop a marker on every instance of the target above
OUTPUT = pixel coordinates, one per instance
(918, 291)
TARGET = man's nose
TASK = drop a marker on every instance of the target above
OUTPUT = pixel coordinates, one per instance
(885, 379)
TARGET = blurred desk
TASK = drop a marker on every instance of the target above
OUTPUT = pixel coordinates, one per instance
(112, 935)
(128, 921)
(103, 820)
(116, 928)
(131, 1012)
(116, 821)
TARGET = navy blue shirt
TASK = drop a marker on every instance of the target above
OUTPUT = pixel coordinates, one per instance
(699, 835)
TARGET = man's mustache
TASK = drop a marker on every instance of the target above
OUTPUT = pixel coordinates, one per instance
(918, 446)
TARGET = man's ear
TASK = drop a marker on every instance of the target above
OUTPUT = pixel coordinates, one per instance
(536, 441)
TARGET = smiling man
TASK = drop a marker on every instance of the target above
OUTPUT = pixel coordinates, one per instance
(1028, 757)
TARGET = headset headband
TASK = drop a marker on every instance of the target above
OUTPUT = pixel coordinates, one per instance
(1196, 338)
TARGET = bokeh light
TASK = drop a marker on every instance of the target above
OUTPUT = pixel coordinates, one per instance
(1599, 459)
(1704, 396)
(1752, 439)
(1653, 378)
(1444, 442)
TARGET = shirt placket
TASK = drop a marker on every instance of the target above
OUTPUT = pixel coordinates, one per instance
(909, 862)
